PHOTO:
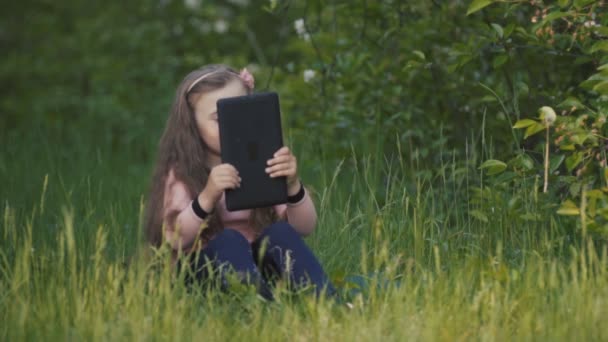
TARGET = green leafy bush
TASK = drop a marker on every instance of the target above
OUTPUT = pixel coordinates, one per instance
(572, 151)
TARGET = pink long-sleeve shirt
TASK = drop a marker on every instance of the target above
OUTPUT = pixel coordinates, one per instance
(182, 231)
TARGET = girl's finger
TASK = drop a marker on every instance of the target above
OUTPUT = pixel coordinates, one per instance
(280, 159)
(279, 167)
(227, 165)
(227, 168)
(283, 150)
(227, 175)
(281, 174)
(288, 173)
(229, 184)
(227, 171)
(230, 179)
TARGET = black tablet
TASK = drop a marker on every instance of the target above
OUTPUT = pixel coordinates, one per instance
(250, 134)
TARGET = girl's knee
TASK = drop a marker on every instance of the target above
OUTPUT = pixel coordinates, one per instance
(280, 231)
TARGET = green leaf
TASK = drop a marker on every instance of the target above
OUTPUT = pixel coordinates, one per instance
(525, 34)
(522, 162)
(601, 87)
(597, 77)
(500, 60)
(488, 98)
(602, 30)
(522, 88)
(498, 30)
(555, 15)
(570, 102)
(573, 160)
(580, 138)
(493, 166)
(575, 188)
(582, 3)
(563, 3)
(525, 162)
(477, 5)
(593, 80)
(419, 54)
(595, 193)
(478, 214)
(508, 30)
(537, 127)
(568, 208)
(505, 177)
(523, 123)
(555, 161)
(411, 65)
(601, 45)
(588, 84)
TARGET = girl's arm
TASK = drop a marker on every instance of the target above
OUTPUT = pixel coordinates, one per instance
(181, 224)
(302, 215)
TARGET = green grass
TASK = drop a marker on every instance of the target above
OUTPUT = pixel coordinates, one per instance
(395, 237)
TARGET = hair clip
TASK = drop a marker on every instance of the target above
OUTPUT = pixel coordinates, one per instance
(247, 78)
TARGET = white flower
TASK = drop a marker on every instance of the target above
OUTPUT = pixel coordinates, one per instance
(192, 4)
(308, 75)
(301, 29)
(220, 26)
(590, 23)
(299, 26)
(547, 114)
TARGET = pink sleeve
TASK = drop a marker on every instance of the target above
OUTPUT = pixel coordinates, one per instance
(181, 223)
(302, 215)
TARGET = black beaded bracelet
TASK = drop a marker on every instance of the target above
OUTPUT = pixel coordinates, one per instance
(297, 197)
(198, 210)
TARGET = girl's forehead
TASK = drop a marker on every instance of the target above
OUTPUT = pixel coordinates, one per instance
(231, 89)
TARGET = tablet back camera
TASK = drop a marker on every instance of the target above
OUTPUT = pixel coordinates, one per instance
(252, 151)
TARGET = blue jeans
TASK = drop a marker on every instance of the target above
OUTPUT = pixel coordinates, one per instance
(279, 253)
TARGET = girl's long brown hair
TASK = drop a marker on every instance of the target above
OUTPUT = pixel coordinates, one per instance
(183, 150)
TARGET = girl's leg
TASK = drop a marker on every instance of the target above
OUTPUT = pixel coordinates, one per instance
(228, 251)
(286, 255)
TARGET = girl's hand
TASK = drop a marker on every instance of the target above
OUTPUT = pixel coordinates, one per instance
(285, 164)
(221, 177)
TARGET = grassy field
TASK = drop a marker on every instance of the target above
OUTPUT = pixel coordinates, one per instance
(399, 240)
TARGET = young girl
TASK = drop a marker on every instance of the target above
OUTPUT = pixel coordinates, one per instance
(186, 207)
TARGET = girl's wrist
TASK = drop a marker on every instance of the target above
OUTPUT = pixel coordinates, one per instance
(294, 187)
(198, 210)
(206, 201)
(297, 197)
